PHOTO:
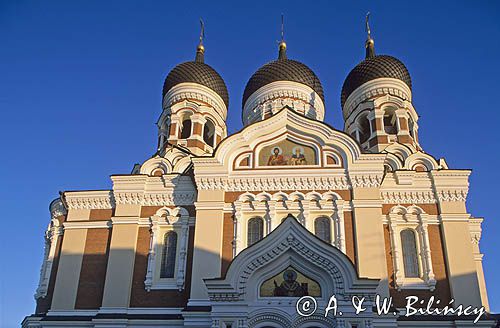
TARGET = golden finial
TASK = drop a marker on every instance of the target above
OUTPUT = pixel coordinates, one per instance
(202, 35)
(200, 50)
(369, 44)
(367, 22)
(282, 45)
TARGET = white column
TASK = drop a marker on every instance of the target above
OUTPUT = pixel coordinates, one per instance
(51, 238)
(148, 282)
(396, 246)
(339, 204)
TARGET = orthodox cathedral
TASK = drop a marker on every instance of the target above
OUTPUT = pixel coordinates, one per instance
(235, 231)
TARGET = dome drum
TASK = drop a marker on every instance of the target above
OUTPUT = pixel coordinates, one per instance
(271, 98)
(374, 68)
(283, 82)
(187, 91)
(374, 89)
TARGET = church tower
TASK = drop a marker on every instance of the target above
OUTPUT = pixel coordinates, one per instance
(195, 103)
(279, 83)
(377, 104)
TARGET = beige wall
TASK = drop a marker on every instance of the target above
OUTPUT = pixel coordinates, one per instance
(120, 266)
(207, 255)
(369, 237)
(68, 271)
(461, 265)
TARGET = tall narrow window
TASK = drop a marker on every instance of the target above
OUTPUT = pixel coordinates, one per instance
(255, 230)
(410, 255)
(186, 129)
(209, 133)
(168, 255)
(390, 124)
(364, 129)
(411, 126)
(322, 229)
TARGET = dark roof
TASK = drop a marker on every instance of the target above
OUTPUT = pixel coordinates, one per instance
(283, 70)
(197, 72)
(373, 68)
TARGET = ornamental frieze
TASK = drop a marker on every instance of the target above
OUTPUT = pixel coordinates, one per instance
(273, 183)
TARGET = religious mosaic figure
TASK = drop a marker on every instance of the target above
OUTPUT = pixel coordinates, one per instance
(298, 157)
(276, 158)
(290, 287)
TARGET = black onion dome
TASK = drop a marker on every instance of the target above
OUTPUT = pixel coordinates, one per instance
(197, 72)
(373, 68)
(283, 70)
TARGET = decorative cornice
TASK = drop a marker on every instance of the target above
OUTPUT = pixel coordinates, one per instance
(109, 199)
(408, 197)
(452, 195)
(365, 180)
(273, 183)
(89, 200)
(155, 199)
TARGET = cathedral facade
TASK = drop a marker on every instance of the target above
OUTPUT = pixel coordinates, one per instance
(234, 231)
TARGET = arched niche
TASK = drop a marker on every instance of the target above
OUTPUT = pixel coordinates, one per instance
(287, 151)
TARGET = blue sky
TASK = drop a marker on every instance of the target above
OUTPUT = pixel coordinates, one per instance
(81, 81)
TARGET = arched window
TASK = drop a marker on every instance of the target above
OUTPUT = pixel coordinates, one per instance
(168, 255)
(209, 133)
(322, 229)
(186, 128)
(390, 124)
(364, 129)
(255, 230)
(410, 255)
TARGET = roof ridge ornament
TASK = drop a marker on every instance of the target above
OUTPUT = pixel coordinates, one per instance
(200, 50)
(369, 44)
(282, 45)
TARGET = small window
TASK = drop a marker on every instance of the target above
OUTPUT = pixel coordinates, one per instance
(186, 129)
(209, 133)
(255, 230)
(168, 255)
(322, 229)
(364, 129)
(410, 255)
(390, 124)
(411, 126)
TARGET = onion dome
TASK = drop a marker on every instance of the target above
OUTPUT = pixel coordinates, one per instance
(197, 72)
(374, 67)
(283, 69)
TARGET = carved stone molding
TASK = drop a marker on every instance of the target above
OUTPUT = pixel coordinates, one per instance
(452, 195)
(273, 183)
(90, 201)
(365, 181)
(155, 199)
(408, 197)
